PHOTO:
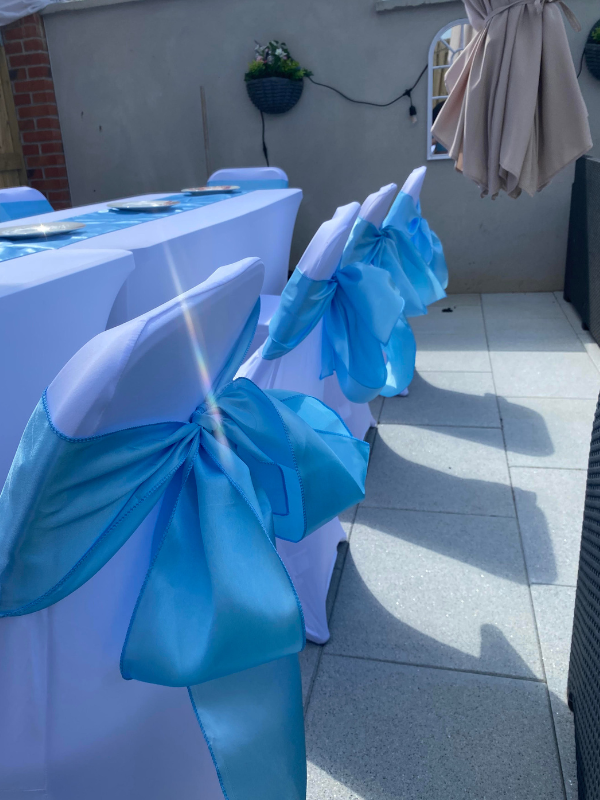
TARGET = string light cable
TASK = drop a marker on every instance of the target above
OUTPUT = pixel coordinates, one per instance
(412, 111)
(406, 93)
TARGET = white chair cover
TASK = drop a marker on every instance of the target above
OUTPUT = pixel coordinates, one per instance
(414, 183)
(249, 174)
(300, 370)
(311, 561)
(377, 205)
(71, 727)
(17, 202)
(51, 304)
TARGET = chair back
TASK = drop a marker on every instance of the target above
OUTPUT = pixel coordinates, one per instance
(377, 205)
(322, 256)
(160, 366)
(22, 201)
(414, 183)
(154, 368)
(251, 177)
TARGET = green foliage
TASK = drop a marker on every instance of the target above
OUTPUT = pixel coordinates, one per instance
(595, 35)
(273, 60)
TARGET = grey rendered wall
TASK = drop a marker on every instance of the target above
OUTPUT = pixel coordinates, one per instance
(127, 78)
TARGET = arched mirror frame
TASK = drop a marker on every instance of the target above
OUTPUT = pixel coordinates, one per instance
(431, 70)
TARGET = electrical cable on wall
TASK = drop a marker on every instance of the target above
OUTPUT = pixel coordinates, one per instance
(406, 93)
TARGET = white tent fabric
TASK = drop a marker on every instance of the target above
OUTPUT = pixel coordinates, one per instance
(70, 726)
(11, 10)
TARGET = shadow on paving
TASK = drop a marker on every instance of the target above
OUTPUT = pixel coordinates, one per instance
(382, 730)
(379, 632)
(402, 481)
(539, 442)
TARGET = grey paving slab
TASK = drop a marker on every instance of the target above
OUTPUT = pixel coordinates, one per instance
(446, 398)
(565, 737)
(440, 469)
(453, 300)
(550, 512)
(376, 407)
(593, 351)
(441, 590)
(554, 607)
(336, 578)
(347, 518)
(570, 313)
(532, 335)
(540, 374)
(525, 305)
(309, 659)
(463, 352)
(448, 319)
(378, 731)
(560, 438)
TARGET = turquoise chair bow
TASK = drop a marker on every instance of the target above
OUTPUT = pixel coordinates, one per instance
(366, 243)
(359, 307)
(217, 611)
(420, 250)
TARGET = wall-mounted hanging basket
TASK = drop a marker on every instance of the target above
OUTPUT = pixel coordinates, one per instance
(274, 95)
(592, 51)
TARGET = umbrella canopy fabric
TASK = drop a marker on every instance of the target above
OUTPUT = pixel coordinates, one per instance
(515, 115)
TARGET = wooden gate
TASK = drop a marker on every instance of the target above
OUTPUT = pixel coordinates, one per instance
(12, 165)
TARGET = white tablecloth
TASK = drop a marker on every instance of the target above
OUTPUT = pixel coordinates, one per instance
(51, 304)
(172, 254)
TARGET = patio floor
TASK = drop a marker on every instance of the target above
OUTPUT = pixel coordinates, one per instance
(451, 608)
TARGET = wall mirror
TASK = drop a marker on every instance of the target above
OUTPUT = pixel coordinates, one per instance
(447, 44)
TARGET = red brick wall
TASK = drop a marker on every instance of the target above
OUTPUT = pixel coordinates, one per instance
(33, 91)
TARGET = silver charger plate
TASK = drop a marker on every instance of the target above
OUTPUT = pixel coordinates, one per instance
(144, 205)
(226, 189)
(39, 230)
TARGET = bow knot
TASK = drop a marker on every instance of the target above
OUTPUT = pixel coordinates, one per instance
(359, 306)
(207, 416)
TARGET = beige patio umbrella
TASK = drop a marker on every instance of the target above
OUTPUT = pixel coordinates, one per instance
(515, 115)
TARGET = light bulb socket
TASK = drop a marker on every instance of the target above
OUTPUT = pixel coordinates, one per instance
(413, 114)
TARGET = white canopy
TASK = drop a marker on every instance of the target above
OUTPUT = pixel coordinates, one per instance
(10, 10)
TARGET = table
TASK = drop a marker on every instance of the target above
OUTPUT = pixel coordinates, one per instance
(174, 253)
(51, 304)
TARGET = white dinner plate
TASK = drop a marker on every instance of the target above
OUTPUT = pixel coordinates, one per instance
(144, 205)
(211, 190)
(39, 230)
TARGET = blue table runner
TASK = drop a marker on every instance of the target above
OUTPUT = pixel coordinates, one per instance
(106, 221)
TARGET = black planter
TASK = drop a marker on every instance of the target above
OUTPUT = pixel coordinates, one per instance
(274, 95)
(592, 58)
(592, 54)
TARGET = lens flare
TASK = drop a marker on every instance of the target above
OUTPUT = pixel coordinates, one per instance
(198, 349)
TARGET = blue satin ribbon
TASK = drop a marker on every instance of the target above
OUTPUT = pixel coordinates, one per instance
(217, 611)
(419, 249)
(98, 223)
(407, 249)
(367, 244)
(24, 208)
(360, 308)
